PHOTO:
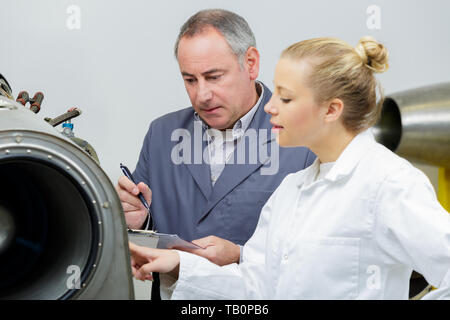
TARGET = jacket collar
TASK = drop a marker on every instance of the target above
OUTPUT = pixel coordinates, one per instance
(233, 175)
(347, 161)
(244, 122)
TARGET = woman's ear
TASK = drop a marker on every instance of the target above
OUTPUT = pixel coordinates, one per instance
(251, 62)
(334, 110)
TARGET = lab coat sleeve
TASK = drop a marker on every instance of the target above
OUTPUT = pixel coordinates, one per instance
(414, 229)
(201, 279)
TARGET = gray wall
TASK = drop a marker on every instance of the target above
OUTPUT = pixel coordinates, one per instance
(118, 66)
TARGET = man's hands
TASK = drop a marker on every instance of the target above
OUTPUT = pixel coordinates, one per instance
(135, 212)
(146, 260)
(217, 250)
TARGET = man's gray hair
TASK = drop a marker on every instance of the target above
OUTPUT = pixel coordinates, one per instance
(233, 27)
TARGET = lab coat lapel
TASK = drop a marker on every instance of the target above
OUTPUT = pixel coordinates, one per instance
(198, 168)
(351, 156)
(347, 161)
(234, 174)
(307, 175)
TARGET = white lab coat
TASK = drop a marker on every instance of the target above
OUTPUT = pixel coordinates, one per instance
(355, 234)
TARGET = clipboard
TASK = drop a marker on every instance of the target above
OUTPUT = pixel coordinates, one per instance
(149, 238)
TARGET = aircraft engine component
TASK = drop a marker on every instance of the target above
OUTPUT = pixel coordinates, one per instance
(62, 228)
(416, 124)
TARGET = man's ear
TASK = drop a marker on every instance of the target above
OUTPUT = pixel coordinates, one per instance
(251, 62)
(335, 108)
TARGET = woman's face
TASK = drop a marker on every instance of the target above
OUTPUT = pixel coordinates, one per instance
(296, 116)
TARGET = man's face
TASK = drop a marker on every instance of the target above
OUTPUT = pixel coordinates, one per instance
(221, 90)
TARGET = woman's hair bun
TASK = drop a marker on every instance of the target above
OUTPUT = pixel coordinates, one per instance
(373, 54)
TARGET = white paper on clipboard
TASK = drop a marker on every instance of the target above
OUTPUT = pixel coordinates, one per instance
(159, 240)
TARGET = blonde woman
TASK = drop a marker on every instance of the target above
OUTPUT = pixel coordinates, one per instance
(351, 226)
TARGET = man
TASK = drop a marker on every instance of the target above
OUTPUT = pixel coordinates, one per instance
(191, 166)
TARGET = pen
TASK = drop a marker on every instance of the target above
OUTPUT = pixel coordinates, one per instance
(128, 174)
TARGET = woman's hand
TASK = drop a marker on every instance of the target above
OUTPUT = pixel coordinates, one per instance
(146, 260)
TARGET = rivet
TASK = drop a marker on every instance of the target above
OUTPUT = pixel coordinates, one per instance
(7, 151)
(49, 157)
(18, 139)
(106, 204)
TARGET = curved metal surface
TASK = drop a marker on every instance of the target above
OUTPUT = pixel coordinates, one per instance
(416, 124)
(7, 228)
(66, 213)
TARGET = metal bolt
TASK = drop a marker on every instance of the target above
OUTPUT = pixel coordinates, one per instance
(49, 157)
(106, 204)
(19, 139)
(7, 151)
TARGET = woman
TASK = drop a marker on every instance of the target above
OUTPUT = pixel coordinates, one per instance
(351, 226)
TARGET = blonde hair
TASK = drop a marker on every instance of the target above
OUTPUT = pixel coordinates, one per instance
(339, 70)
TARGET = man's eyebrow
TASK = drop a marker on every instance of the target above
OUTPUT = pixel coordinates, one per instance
(206, 73)
(212, 71)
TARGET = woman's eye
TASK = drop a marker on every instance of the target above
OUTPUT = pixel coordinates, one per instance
(285, 100)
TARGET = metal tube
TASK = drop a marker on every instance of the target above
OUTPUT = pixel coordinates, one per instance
(7, 228)
(416, 124)
(69, 223)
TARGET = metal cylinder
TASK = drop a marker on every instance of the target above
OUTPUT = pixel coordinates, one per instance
(67, 238)
(416, 124)
(6, 228)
